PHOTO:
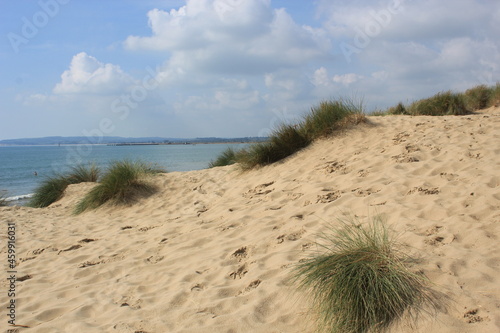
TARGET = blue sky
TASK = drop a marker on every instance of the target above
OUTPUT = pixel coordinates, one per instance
(228, 68)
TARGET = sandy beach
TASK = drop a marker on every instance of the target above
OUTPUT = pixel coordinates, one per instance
(212, 250)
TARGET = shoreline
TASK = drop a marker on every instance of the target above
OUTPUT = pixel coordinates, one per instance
(134, 144)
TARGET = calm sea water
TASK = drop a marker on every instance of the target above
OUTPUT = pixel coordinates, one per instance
(18, 164)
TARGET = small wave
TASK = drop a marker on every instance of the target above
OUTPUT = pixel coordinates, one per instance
(19, 197)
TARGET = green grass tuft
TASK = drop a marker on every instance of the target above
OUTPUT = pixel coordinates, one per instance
(399, 109)
(361, 282)
(322, 121)
(122, 184)
(82, 174)
(441, 104)
(49, 191)
(52, 188)
(478, 97)
(227, 157)
(494, 96)
(329, 117)
(283, 142)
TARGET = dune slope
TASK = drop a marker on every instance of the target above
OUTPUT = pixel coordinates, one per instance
(213, 249)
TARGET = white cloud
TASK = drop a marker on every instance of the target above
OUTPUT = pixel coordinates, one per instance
(411, 49)
(88, 75)
(321, 78)
(238, 36)
(346, 79)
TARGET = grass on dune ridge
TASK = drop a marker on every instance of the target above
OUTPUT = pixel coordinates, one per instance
(123, 182)
(227, 157)
(442, 104)
(449, 103)
(331, 116)
(360, 281)
(323, 120)
(52, 188)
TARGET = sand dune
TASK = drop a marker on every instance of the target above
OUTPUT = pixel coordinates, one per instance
(212, 250)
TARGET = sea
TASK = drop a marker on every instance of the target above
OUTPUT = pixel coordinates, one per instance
(23, 168)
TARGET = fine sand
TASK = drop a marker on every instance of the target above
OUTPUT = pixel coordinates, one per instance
(212, 250)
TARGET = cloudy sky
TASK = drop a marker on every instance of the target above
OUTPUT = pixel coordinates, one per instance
(229, 68)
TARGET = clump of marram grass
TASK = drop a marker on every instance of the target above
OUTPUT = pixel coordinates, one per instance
(323, 120)
(283, 142)
(49, 191)
(397, 110)
(52, 188)
(478, 97)
(441, 104)
(121, 184)
(227, 157)
(331, 116)
(494, 99)
(82, 174)
(361, 281)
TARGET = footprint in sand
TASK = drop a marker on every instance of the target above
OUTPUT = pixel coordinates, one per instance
(400, 137)
(262, 189)
(294, 196)
(472, 317)
(405, 158)
(154, 259)
(424, 190)
(334, 166)
(200, 208)
(438, 240)
(197, 287)
(240, 272)
(329, 197)
(130, 302)
(90, 263)
(87, 240)
(253, 285)
(435, 241)
(363, 173)
(433, 230)
(71, 248)
(294, 236)
(24, 277)
(240, 254)
(411, 148)
(144, 229)
(34, 253)
(448, 176)
(200, 189)
(38, 251)
(364, 193)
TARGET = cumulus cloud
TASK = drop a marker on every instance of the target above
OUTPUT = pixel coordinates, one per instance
(321, 78)
(412, 48)
(237, 36)
(88, 75)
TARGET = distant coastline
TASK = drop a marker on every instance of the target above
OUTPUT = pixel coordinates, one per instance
(123, 141)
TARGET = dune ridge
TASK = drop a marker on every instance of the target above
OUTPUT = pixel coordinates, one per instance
(213, 249)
